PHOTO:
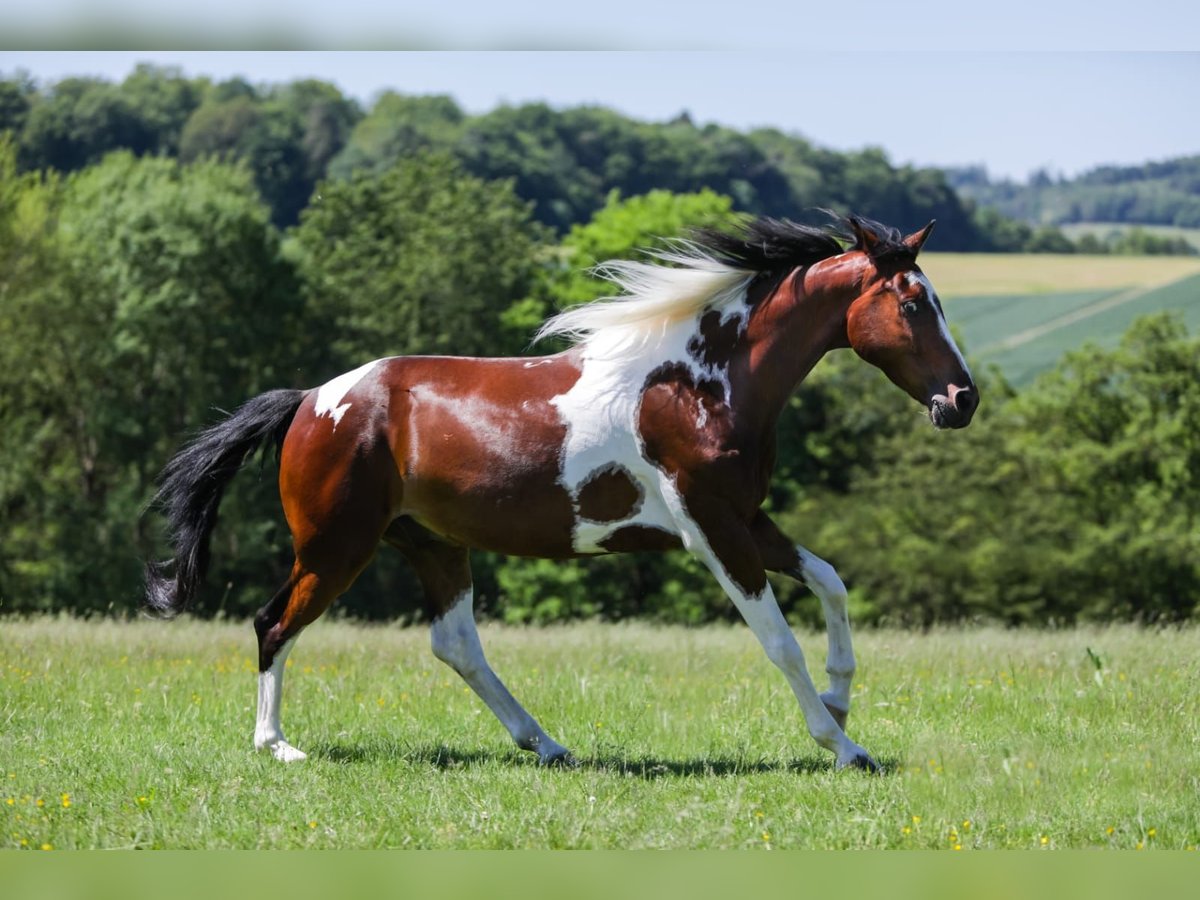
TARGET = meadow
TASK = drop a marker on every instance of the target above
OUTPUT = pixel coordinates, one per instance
(137, 735)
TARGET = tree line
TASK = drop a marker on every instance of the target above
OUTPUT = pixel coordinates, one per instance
(142, 295)
(564, 162)
(1154, 193)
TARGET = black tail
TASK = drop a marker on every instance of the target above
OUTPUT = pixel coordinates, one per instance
(190, 489)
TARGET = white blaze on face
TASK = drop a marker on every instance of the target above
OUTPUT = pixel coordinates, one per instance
(918, 279)
(329, 395)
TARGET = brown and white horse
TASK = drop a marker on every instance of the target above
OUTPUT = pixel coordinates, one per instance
(656, 430)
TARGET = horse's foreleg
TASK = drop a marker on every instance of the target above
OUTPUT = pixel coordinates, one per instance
(780, 554)
(823, 580)
(445, 574)
(731, 553)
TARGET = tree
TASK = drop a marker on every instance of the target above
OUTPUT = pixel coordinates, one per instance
(398, 127)
(77, 121)
(1075, 500)
(15, 100)
(420, 259)
(168, 297)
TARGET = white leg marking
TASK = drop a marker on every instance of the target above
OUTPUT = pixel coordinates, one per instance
(455, 641)
(765, 619)
(823, 580)
(268, 733)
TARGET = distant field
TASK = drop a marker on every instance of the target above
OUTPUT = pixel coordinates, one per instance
(138, 736)
(1022, 312)
(978, 274)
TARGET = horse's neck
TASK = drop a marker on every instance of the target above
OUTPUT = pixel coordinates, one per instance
(798, 324)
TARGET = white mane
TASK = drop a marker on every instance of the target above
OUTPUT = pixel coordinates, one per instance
(652, 298)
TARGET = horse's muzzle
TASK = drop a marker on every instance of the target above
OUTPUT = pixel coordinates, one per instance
(955, 409)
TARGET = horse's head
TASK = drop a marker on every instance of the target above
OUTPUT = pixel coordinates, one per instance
(896, 323)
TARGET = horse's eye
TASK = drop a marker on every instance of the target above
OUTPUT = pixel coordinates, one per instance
(909, 307)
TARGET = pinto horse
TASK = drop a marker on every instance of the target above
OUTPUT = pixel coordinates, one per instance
(655, 430)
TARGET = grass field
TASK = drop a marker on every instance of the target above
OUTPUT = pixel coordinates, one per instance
(137, 735)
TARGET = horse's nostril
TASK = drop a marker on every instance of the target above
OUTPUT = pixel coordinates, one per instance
(965, 402)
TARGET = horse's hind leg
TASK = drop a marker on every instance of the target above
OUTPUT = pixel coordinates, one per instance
(445, 574)
(318, 577)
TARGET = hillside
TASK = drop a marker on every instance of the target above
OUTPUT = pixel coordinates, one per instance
(1155, 193)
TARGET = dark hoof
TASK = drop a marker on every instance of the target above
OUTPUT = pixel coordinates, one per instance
(864, 762)
(560, 761)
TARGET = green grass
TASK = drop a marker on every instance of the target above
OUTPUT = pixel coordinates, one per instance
(137, 735)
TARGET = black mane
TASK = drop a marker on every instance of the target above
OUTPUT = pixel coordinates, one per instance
(770, 245)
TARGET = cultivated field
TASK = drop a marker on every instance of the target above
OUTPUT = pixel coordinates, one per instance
(137, 735)
(1021, 313)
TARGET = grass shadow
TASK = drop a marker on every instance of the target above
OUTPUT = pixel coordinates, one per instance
(652, 768)
(440, 756)
(648, 768)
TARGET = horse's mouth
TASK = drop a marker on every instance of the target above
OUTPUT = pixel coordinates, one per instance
(943, 413)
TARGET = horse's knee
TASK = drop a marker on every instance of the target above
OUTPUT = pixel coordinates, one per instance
(822, 578)
(783, 651)
(456, 643)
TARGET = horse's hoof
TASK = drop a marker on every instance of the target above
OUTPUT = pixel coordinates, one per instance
(562, 760)
(863, 761)
(284, 752)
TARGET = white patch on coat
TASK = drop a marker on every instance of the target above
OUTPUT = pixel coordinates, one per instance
(329, 395)
(497, 427)
(622, 341)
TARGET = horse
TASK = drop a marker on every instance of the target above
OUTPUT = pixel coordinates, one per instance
(653, 431)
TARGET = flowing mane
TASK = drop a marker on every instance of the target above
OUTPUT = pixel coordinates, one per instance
(710, 269)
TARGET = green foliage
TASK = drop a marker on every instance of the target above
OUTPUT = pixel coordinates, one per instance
(627, 228)
(397, 128)
(1075, 500)
(78, 122)
(1156, 193)
(150, 293)
(422, 258)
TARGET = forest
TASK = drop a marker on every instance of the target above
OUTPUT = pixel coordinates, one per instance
(170, 247)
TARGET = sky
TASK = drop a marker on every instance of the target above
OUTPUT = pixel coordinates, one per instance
(1012, 112)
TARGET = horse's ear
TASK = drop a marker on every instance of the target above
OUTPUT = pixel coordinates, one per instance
(917, 239)
(866, 238)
